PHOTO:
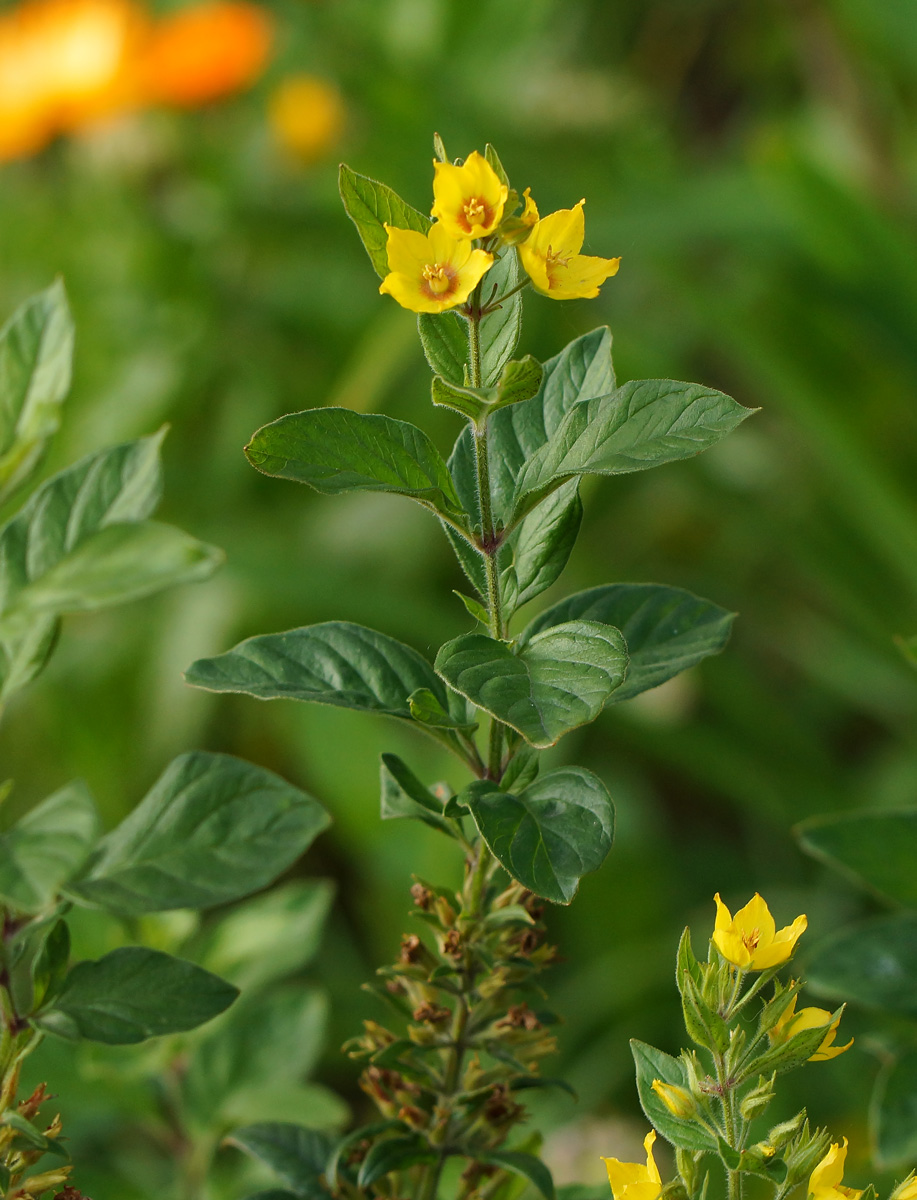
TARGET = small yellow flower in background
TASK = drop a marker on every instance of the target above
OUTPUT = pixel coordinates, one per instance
(750, 939)
(907, 1189)
(551, 255)
(434, 271)
(793, 1022)
(677, 1100)
(468, 199)
(825, 1180)
(631, 1181)
(306, 115)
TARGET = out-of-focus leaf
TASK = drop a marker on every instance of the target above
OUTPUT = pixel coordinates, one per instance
(893, 1112)
(395, 1154)
(878, 848)
(47, 847)
(212, 829)
(527, 1165)
(299, 1156)
(872, 963)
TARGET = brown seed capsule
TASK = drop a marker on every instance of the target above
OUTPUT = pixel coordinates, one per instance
(434, 1014)
(452, 944)
(422, 896)
(520, 1016)
(411, 948)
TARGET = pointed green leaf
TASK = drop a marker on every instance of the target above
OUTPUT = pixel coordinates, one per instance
(526, 1165)
(47, 847)
(36, 349)
(666, 629)
(444, 337)
(333, 663)
(872, 963)
(132, 994)
(337, 450)
(403, 795)
(299, 1156)
(519, 382)
(395, 1154)
(551, 834)
(426, 709)
(655, 1064)
(493, 158)
(560, 679)
(32, 1136)
(211, 830)
(877, 848)
(643, 424)
(371, 206)
(499, 332)
(470, 402)
(543, 543)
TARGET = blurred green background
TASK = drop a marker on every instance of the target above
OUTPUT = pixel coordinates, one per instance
(754, 165)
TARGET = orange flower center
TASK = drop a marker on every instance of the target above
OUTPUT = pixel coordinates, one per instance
(438, 280)
(750, 940)
(475, 212)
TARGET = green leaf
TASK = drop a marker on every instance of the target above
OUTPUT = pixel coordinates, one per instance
(444, 337)
(299, 1156)
(270, 936)
(499, 332)
(269, 1040)
(333, 663)
(549, 835)
(32, 1136)
(309, 1104)
(527, 1165)
(36, 350)
(50, 965)
(872, 963)
(655, 1064)
(395, 1154)
(117, 564)
(337, 450)
(474, 608)
(338, 1162)
(47, 847)
(519, 382)
(492, 157)
(470, 402)
(426, 709)
(788, 1055)
(640, 425)
(877, 848)
(403, 795)
(371, 206)
(211, 830)
(666, 629)
(893, 1112)
(559, 679)
(543, 543)
(132, 994)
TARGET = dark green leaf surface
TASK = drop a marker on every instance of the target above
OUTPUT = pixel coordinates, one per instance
(336, 450)
(499, 332)
(299, 1156)
(444, 337)
(403, 795)
(371, 206)
(893, 1112)
(655, 1064)
(36, 349)
(134, 993)
(872, 963)
(666, 629)
(333, 663)
(211, 830)
(47, 847)
(394, 1154)
(876, 848)
(640, 425)
(543, 544)
(560, 679)
(528, 1166)
(551, 834)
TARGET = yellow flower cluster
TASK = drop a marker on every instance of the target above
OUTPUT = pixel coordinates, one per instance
(439, 270)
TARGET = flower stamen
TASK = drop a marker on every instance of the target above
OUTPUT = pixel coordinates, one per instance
(438, 280)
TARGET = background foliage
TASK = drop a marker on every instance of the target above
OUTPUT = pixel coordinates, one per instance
(754, 166)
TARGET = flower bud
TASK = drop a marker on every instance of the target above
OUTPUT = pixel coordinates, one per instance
(679, 1102)
(907, 1189)
(758, 1098)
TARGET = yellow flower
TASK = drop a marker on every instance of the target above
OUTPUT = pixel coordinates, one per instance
(825, 1180)
(551, 255)
(306, 115)
(468, 199)
(530, 212)
(432, 272)
(907, 1189)
(679, 1102)
(749, 940)
(793, 1022)
(630, 1181)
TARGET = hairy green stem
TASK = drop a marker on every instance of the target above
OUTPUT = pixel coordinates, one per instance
(727, 1098)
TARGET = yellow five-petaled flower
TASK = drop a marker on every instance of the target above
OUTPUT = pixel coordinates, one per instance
(432, 272)
(750, 940)
(631, 1181)
(793, 1022)
(468, 199)
(825, 1180)
(551, 254)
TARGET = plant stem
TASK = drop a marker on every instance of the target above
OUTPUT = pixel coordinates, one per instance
(727, 1098)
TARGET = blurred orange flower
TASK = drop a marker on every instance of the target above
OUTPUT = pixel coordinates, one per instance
(306, 115)
(67, 63)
